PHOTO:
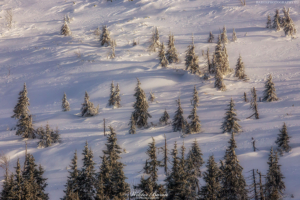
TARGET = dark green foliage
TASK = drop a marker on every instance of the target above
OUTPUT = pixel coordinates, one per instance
(178, 120)
(270, 91)
(132, 123)
(22, 106)
(283, 140)
(88, 109)
(212, 188)
(164, 118)
(162, 57)
(25, 127)
(195, 99)
(274, 179)
(104, 177)
(210, 38)
(234, 184)
(192, 60)
(171, 54)
(230, 124)
(240, 69)
(105, 37)
(194, 125)
(111, 100)
(47, 136)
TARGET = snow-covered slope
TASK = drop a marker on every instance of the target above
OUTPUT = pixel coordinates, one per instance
(37, 54)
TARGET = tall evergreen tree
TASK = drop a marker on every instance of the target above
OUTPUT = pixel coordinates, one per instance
(253, 104)
(283, 140)
(212, 188)
(162, 57)
(113, 150)
(178, 120)
(88, 109)
(72, 182)
(111, 100)
(25, 127)
(104, 182)
(140, 112)
(191, 59)
(18, 182)
(105, 37)
(22, 105)
(171, 54)
(240, 69)
(234, 38)
(41, 182)
(269, 22)
(224, 38)
(100, 195)
(274, 179)
(233, 183)
(230, 124)
(65, 104)
(117, 97)
(86, 178)
(220, 59)
(195, 99)
(210, 38)
(7, 186)
(270, 91)
(219, 84)
(154, 41)
(195, 125)
(132, 123)
(165, 117)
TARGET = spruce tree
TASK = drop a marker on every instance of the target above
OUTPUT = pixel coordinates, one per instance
(212, 188)
(192, 60)
(178, 120)
(22, 105)
(65, 104)
(195, 99)
(253, 104)
(240, 69)
(210, 38)
(72, 182)
(230, 124)
(220, 58)
(88, 109)
(86, 178)
(269, 23)
(65, 29)
(274, 186)
(195, 125)
(219, 84)
(289, 27)
(162, 57)
(25, 127)
(164, 118)
(283, 140)
(41, 182)
(209, 64)
(7, 186)
(270, 91)
(245, 97)
(113, 149)
(105, 37)
(18, 181)
(104, 182)
(132, 123)
(171, 54)
(117, 97)
(47, 136)
(224, 38)
(100, 194)
(276, 21)
(233, 183)
(154, 41)
(140, 112)
(151, 97)
(234, 38)
(111, 100)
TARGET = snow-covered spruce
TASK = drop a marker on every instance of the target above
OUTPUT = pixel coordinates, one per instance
(154, 41)
(132, 129)
(224, 38)
(162, 57)
(111, 100)
(65, 104)
(274, 185)
(88, 109)
(276, 20)
(219, 84)
(209, 64)
(240, 69)
(233, 184)
(220, 59)
(140, 106)
(194, 125)
(192, 60)
(117, 97)
(210, 38)
(65, 29)
(164, 118)
(269, 23)
(270, 91)
(253, 104)
(151, 97)
(178, 122)
(171, 54)
(22, 105)
(245, 97)
(289, 27)
(105, 37)
(234, 37)
(230, 124)
(25, 127)
(47, 136)
(195, 100)
(283, 140)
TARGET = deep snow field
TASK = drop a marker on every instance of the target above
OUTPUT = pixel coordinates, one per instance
(37, 54)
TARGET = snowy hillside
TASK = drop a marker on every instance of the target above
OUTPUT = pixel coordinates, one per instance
(34, 52)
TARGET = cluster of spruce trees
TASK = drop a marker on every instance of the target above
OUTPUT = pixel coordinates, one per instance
(108, 183)
(24, 184)
(25, 125)
(286, 23)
